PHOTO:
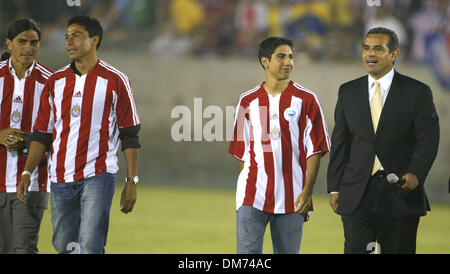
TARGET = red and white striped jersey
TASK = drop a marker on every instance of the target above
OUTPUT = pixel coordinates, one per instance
(84, 114)
(19, 104)
(274, 136)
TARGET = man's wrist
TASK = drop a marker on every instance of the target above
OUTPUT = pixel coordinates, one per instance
(132, 179)
(26, 172)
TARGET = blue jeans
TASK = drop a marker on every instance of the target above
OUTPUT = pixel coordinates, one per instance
(286, 231)
(80, 214)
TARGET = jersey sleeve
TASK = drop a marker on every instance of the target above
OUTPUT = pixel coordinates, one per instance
(44, 122)
(316, 137)
(126, 111)
(239, 145)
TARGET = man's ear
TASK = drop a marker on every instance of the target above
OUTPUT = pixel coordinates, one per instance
(265, 62)
(395, 54)
(95, 39)
(8, 44)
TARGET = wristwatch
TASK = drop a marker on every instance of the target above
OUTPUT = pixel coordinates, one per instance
(134, 179)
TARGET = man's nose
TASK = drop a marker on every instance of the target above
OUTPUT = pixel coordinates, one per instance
(28, 46)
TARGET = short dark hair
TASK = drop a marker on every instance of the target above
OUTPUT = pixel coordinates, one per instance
(91, 25)
(269, 45)
(393, 43)
(18, 27)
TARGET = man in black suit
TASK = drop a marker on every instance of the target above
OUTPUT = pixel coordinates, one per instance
(385, 122)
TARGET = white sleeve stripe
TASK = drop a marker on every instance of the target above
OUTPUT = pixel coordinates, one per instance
(43, 70)
(124, 79)
(45, 75)
(126, 83)
(122, 76)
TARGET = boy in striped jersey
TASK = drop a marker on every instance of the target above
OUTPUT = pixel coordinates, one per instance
(86, 108)
(21, 82)
(279, 136)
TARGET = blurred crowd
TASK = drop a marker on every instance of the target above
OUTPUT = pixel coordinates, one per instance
(330, 29)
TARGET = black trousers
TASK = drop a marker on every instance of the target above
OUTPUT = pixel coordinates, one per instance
(408, 234)
(20, 223)
(376, 221)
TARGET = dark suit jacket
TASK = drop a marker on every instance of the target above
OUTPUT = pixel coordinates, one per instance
(406, 140)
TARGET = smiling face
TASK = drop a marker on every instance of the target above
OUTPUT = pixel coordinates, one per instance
(78, 42)
(376, 56)
(280, 64)
(24, 48)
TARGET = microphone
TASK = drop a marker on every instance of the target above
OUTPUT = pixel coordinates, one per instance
(393, 179)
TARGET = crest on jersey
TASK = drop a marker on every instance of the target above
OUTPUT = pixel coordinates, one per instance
(290, 114)
(275, 133)
(76, 110)
(16, 116)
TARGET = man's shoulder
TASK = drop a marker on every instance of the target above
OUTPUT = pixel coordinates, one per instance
(60, 73)
(408, 82)
(112, 71)
(354, 82)
(249, 95)
(43, 71)
(301, 91)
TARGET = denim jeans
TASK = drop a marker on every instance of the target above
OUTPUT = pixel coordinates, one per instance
(286, 231)
(80, 214)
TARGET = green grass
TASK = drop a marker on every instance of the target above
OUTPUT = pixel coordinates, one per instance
(185, 220)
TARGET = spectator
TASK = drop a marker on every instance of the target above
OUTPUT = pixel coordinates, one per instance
(426, 21)
(187, 15)
(251, 24)
(384, 18)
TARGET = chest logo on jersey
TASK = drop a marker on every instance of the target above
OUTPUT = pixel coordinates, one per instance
(76, 110)
(275, 133)
(290, 114)
(78, 94)
(16, 116)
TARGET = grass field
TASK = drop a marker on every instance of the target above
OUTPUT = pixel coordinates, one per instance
(186, 220)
